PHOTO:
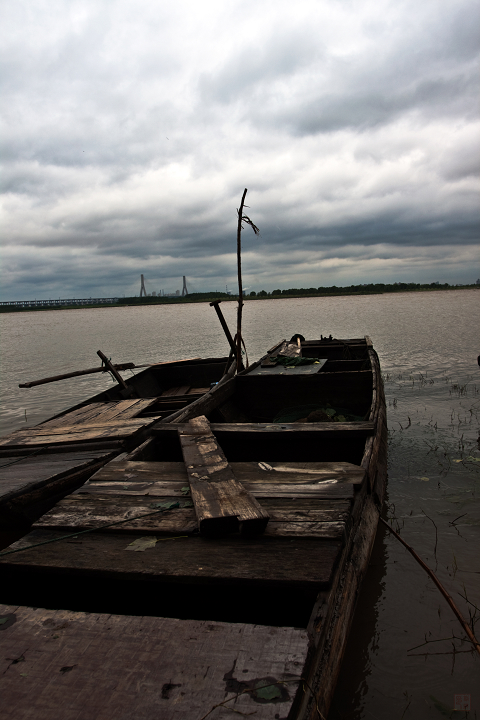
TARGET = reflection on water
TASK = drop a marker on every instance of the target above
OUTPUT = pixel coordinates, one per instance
(398, 662)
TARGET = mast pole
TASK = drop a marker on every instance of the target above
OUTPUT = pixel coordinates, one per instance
(240, 288)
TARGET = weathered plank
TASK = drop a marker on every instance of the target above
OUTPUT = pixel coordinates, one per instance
(82, 414)
(330, 530)
(99, 413)
(114, 445)
(222, 504)
(262, 472)
(334, 429)
(303, 562)
(124, 410)
(78, 666)
(27, 474)
(78, 512)
(82, 511)
(259, 490)
(73, 433)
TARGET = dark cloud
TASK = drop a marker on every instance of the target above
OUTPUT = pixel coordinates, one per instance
(130, 131)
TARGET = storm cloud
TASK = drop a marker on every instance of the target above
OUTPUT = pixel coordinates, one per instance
(129, 131)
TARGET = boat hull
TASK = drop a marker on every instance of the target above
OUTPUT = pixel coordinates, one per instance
(321, 483)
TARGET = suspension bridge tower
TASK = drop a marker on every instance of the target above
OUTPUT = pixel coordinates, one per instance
(143, 292)
(184, 290)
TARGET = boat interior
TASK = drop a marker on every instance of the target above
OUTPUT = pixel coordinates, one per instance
(262, 421)
(169, 386)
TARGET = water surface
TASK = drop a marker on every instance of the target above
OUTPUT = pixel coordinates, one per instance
(428, 347)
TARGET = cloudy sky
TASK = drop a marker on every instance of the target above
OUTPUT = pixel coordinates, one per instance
(130, 130)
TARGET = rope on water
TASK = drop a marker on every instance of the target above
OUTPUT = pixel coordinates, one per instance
(439, 585)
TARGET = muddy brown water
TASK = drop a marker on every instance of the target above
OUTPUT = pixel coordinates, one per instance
(406, 655)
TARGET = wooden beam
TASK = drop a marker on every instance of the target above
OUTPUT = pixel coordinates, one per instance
(116, 375)
(221, 503)
(77, 373)
(334, 429)
(223, 323)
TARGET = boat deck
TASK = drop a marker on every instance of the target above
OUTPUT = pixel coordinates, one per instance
(308, 503)
(214, 562)
(78, 666)
(56, 456)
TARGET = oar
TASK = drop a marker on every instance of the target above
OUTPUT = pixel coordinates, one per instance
(103, 368)
(223, 323)
(54, 378)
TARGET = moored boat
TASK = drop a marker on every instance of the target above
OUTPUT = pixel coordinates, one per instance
(253, 510)
(41, 464)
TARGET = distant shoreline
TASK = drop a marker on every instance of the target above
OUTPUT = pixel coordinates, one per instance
(262, 295)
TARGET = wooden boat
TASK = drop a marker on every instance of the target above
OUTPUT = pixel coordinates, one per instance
(41, 464)
(248, 517)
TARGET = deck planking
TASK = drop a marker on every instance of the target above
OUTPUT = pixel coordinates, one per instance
(280, 472)
(101, 412)
(80, 511)
(78, 666)
(30, 473)
(81, 433)
(261, 561)
(362, 429)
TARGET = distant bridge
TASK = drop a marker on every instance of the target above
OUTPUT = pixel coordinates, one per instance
(59, 302)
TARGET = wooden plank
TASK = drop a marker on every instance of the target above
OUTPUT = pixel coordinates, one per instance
(258, 490)
(32, 473)
(82, 414)
(73, 433)
(270, 490)
(88, 665)
(289, 517)
(127, 488)
(140, 471)
(299, 472)
(80, 512)
(99, 413)
(222, 504)
(359, 429)
(34, 451)
(262, 560)
(283, 473)
(125, 410)
(329, 530)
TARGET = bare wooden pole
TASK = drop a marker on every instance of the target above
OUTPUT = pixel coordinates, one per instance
(240, 288)
(241, 218)
(116, 375)
(103, 368)
(77, 373)
(223, 323)
(439, 585)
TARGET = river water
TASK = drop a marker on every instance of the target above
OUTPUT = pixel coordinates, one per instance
(406, 656)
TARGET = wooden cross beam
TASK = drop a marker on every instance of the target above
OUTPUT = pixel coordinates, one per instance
(222, 504)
